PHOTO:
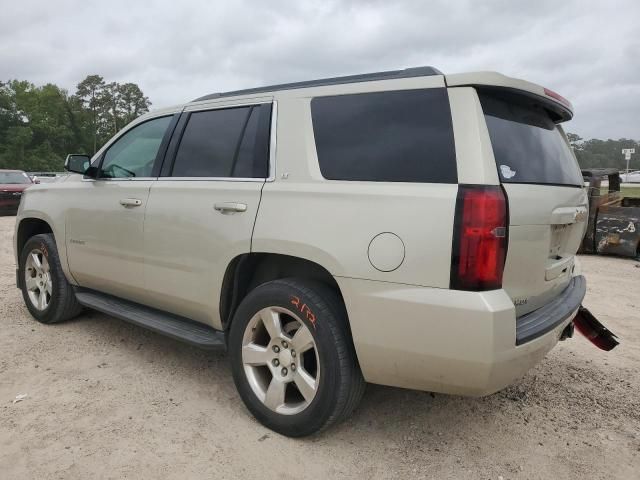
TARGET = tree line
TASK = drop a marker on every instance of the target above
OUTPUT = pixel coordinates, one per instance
(596, 153)
(40, 125)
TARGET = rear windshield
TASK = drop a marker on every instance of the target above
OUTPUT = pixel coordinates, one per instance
(527, 144)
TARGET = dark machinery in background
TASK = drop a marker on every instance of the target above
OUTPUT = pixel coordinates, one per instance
(613, 226)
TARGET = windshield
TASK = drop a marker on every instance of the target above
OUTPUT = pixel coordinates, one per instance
(527, 145)
(14, 177)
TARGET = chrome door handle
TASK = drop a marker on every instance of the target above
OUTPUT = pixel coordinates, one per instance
(227, 208)
(130, 202)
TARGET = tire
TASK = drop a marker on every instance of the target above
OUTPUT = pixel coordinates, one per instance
(338, 382)
(49, 281)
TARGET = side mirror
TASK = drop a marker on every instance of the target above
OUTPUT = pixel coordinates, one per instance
(35, 180)
(76, 163)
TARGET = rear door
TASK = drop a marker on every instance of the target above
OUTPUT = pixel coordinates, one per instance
(201, 211)
(546, 197)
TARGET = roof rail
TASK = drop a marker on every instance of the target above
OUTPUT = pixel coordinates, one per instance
(364, 77)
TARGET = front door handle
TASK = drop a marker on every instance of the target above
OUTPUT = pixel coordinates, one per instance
(227, 208)
(130, 202)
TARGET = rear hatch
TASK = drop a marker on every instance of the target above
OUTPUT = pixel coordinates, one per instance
(546, 198)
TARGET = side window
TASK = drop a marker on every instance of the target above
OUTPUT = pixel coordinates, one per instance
(134, 153)
(398, 136)
(231, 142)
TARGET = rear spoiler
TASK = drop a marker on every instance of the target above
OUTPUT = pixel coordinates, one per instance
(556, 103)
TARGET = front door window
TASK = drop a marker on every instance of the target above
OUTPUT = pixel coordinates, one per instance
(134, 153)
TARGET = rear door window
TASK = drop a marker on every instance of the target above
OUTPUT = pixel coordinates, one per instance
(230, 142)
(527, 145)
(396, 136)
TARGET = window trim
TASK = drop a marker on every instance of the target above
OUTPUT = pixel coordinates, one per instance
(159, 155)
(174, 144)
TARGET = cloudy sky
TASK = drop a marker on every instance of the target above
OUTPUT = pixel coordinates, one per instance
(588, 51)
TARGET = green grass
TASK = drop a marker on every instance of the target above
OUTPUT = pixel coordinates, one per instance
(630, 191)
(627, 190)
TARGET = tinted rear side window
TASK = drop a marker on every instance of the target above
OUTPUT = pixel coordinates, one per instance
(527, 144)
(398, 136)
(229, 142)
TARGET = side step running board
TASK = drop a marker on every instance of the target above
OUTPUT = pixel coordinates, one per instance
(161, 322)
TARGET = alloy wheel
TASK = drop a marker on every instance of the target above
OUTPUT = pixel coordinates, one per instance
(37, 279)
(280, 360)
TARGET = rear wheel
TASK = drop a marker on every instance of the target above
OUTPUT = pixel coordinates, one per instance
(46, 292)
(292, 357)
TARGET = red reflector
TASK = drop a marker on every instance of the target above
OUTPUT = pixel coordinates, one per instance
(479, 238)
(558, 97)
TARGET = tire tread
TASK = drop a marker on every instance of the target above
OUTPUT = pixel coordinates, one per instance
(353, 384)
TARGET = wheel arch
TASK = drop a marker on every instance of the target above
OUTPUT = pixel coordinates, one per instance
(27, 228)
(247, 271)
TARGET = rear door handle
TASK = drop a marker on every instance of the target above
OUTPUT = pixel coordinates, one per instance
(130, 202)
(227, 208)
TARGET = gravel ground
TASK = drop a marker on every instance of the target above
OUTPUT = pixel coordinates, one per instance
(110, 400)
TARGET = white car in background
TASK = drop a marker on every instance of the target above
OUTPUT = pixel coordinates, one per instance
(47, 177)
(631, 177)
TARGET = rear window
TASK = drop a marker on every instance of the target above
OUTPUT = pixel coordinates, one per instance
(230, 142)
(398, 136)
(527, 144)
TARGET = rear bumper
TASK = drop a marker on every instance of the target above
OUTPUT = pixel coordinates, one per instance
(546, 318)
(444, 340)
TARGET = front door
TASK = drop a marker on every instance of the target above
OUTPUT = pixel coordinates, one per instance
(105, 219)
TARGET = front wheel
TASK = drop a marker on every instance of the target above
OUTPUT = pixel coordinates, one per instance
(46, 292)
(292, 357)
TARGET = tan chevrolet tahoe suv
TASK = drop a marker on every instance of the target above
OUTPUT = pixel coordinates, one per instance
(405, 228)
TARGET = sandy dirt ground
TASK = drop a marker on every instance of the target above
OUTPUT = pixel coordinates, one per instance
(110, 400)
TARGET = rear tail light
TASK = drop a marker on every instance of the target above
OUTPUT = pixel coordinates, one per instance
(479, 238)
(597, 333)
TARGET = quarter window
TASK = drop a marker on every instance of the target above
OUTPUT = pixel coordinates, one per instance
(397, 136)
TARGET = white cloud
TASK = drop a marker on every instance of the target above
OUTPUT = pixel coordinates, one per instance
(176, 51)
